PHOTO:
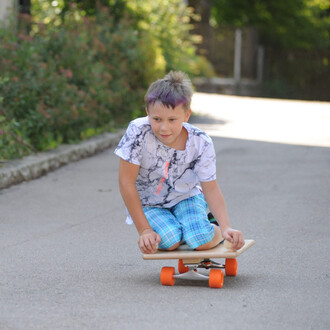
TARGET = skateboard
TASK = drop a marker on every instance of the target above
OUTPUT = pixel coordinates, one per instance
(190, 261)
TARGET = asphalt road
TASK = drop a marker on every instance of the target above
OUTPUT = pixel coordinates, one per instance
(69, 261)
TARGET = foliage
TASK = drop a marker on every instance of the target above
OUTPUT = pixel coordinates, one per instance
(45, 10)
(295, 35)
(62, 83)
(169, 23)
(298, 74)
(82, 67)
(302, 24)
(166, 23)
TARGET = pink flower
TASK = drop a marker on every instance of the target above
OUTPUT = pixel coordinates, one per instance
(1, 132)
(67, 73)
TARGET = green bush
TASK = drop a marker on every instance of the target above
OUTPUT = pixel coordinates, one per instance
(168, 22)
(300, 74)
(65, 83)
(85, 69)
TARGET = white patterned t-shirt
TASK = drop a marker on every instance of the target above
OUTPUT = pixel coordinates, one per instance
(166, 175)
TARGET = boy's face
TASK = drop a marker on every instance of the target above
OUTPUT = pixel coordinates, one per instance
(166, 123)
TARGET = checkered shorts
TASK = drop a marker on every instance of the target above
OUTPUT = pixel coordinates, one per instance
(186, 221)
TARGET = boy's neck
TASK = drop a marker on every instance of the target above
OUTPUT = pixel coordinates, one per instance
(180, 143)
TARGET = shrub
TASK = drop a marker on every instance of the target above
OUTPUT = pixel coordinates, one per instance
(301, 74)
(168, 22)
(86, 71)
(65, 82)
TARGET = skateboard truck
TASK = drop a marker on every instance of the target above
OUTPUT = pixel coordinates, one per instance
(206, 264)
(188, 270)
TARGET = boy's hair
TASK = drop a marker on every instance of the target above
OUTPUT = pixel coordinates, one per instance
(174, 89)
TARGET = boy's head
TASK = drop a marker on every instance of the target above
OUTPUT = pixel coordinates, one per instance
(173, 90)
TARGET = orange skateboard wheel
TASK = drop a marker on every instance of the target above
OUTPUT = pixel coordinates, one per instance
(166, 276)
(182, 268)
(231, 267)
(216, 278)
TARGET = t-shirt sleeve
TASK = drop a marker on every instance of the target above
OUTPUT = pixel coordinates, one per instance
(130, 146)
(206, 164)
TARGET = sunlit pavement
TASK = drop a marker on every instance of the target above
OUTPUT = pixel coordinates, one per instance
(269, 120)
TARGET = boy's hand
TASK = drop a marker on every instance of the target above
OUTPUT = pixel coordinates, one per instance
(148, 241)
(235, 237)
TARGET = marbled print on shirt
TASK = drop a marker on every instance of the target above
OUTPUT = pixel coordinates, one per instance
(167, 176)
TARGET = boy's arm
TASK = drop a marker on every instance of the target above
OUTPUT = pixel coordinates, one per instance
(128, 172)
(217, 205)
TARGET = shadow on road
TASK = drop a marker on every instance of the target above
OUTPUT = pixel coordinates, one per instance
(196, 119)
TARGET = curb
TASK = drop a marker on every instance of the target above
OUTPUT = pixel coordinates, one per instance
(34, 166)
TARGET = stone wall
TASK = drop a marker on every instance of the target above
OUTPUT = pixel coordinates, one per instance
(6, 10)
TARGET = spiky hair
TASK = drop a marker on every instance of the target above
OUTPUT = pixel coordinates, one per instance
(172, 90)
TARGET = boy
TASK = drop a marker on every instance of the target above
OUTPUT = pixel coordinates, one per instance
(163, 160)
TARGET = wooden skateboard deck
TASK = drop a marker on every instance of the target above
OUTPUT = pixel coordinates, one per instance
(191, 260)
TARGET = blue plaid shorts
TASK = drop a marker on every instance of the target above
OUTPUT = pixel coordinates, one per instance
(186, 221)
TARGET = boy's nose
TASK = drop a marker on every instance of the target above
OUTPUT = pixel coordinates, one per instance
(164, 126)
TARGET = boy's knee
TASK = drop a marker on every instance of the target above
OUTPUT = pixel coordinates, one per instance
(171, 248)
(170, 240)
(217, 238)
(204, 238)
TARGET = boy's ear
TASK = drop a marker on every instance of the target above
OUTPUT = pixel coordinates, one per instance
(147, 112)
(188, 113)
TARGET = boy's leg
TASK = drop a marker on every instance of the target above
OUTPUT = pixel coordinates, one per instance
(163, 222)
(216, 240)
(197, 230)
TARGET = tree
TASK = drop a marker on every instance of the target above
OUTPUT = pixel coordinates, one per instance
(166, 22)
(302, 24)
(25, 6)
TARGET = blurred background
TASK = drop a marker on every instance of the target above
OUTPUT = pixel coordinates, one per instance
(70, 70)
